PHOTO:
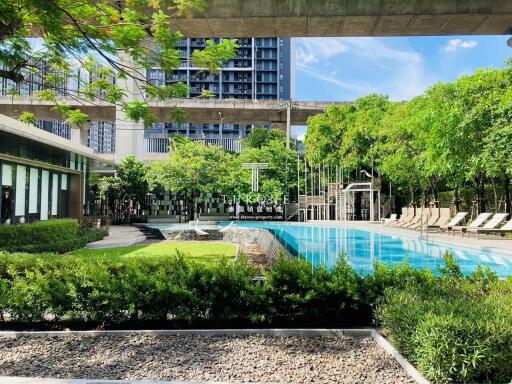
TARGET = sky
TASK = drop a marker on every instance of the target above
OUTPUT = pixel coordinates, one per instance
(345, 68)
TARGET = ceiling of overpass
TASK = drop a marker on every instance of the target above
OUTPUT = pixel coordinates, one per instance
(297, 18)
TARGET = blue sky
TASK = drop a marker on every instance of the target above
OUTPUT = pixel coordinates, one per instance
(343, 69)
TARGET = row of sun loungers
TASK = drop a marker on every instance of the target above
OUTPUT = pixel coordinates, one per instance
(439, 219)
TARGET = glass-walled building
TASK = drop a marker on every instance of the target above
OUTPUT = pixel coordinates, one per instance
(42, 176)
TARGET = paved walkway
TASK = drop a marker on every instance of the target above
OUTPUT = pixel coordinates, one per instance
(485, 243)
(119, 236)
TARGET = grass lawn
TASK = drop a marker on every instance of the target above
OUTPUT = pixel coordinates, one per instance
(201, 251)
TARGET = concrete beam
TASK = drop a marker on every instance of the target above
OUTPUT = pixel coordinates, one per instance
(296, 18)
(233, 111)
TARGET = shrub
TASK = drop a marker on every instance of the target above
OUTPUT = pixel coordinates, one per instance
(63, 246)
(57, 236)
(93, 235)
(454, 328)
(40, 232)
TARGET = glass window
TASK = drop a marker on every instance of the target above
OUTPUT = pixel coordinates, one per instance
(45, 185)
(55, 194)
(64, 182)
(21, 182)
(6, 175)
(7, 194)
(33, 190)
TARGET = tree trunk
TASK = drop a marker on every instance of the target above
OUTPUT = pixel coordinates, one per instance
(480, 199)
(456, 200)
(506, 192)
(495, 192)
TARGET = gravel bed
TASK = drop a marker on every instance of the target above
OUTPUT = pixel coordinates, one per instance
(254, 358)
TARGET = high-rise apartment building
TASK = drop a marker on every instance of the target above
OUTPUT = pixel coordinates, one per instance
(263, 69)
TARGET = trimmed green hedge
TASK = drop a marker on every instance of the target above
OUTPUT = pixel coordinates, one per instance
(57, 236)
(45, 231)
(114, 289)
(454, 329)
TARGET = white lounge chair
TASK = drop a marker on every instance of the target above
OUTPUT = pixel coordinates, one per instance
(457, 219)
(391, 219)
(481, 218)
(507, 228)
(407, 214)
(496, 220)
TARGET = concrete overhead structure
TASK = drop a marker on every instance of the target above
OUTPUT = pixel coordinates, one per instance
(297, 18)
(234, 111)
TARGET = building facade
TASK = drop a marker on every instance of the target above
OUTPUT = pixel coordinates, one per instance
(263, 69)
(42, 176)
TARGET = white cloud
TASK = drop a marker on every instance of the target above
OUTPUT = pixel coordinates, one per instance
(398, 72)
(455, 44)
(317, 49)
(319, 75)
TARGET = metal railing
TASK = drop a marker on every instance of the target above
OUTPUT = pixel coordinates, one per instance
(161, 144)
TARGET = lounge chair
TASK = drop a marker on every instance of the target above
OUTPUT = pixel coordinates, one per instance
(507, 228)
(423, 221)
(222, 230)
(442, 220)
(407, 214)
(457, 219)
(420, 215)
(391, 219)
(496, 220)
(482, 218)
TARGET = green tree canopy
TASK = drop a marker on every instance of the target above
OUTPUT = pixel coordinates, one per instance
(88, 36)
(260, 137)
(281, 174)
(193, 168)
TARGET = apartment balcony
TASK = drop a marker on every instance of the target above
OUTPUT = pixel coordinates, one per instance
(241, 80)
(209, 79)
(159, 145)
(265, 68)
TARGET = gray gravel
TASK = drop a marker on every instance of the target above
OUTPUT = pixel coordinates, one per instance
(261, 359)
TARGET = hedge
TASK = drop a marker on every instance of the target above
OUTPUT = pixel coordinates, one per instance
(57, 236)
(454, 329)
(115, 289)
(39, 232)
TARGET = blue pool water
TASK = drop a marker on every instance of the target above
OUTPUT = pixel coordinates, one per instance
(324, 245)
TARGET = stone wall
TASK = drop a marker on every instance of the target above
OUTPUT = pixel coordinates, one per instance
(261, 237)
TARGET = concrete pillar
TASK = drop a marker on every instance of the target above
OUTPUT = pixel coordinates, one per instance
(288, 125)
(129, 134)
(79, 134)
(76, 192)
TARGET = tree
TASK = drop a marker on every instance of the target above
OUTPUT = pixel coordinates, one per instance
(127, 189)
(325, 134)
(260, 137)
(400, 147)
(91, 36)
(192, 169)
(278, 179)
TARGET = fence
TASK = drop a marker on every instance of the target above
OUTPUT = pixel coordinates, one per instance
(161, 144)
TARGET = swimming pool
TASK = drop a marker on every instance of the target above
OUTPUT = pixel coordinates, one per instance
(325, 244)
